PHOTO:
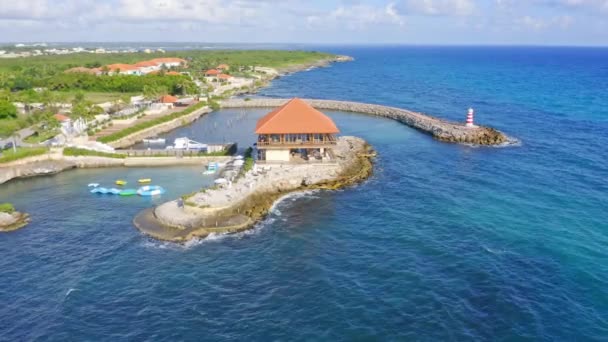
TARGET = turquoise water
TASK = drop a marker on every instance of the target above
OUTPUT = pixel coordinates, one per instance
(444, 242)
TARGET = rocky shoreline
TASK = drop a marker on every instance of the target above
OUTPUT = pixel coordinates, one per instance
(440, 129)
(238, 207)
(13, 221)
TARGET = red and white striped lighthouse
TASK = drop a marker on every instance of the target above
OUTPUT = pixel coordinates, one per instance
(470, 118)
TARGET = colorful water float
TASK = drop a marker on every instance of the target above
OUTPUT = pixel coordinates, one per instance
(144, 180)
(128, 192)
(121, 182)
(99, 190)
(150, 190)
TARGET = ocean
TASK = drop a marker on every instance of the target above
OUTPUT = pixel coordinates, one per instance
(443, 242)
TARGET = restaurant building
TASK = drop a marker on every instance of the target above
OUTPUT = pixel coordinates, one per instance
(295, 133)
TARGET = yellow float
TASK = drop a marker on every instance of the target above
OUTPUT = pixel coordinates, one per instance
(145, 180)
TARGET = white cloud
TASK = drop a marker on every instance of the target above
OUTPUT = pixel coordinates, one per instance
(437, 7)
(357, 16)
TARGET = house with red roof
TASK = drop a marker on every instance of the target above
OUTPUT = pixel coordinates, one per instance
(123, 69)
(223, 67)
(212, 73)
(295, 132)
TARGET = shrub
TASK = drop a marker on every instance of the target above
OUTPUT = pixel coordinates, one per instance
(7, 208)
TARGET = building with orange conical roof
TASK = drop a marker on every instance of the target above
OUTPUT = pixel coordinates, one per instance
(295, 132)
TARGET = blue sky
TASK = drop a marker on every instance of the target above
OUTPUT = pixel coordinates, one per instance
(538, 22)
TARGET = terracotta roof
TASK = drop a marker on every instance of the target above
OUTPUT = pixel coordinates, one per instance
(212, 72)
(223, 66)
(61, 117)
(168, 99)
(145, 64)
(296, 116)
(224, 76)
(168, 60)
(122, 67)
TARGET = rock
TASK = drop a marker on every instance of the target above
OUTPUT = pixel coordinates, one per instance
(14, 221)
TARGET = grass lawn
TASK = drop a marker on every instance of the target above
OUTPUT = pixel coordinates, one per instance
(41, 136)
(22, 152)
(106, 97)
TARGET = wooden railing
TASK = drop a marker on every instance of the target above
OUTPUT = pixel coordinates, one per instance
(296, 143)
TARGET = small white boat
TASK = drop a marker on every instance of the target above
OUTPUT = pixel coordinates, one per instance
(93, 185)
(154, 141)
(211, 169)
(188, 145)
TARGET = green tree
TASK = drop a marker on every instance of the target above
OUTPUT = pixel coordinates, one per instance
(7, 110)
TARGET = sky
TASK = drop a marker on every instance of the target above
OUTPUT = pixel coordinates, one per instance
(466, 22)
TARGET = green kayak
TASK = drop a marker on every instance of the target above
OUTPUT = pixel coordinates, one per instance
(128, 192)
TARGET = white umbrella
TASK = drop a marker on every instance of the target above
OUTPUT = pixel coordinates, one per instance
(238, 157)
(220, 181)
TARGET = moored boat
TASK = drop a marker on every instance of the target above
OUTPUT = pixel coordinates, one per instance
(121, 182)
(154, 141)
(144, 180)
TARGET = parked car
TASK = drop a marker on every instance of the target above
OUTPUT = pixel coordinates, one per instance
(8, 145)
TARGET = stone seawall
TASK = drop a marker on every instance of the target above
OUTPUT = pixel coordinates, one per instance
(440, 129)
(165, 127)
(55, 163)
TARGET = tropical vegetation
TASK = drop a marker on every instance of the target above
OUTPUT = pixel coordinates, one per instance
(20, 153)
(144, 125)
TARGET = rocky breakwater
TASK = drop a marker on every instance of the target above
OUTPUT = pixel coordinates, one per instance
(440, 129)
(237, 207)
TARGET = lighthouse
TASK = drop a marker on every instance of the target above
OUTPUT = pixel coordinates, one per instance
(470, 118)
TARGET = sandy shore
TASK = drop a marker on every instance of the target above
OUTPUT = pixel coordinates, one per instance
(234, 208)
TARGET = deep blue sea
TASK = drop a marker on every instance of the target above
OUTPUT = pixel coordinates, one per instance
(444, 242)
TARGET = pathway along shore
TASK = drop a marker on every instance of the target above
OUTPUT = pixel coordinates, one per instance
(230, 209)
(440, 129)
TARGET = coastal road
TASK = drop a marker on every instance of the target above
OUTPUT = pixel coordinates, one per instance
(23, 133)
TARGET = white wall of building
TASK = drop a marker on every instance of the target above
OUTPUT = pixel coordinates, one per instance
(277, 155)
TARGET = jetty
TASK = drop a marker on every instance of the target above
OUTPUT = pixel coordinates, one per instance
(443, 130)
(296, 150)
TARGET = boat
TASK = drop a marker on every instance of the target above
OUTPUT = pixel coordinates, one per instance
(128, 192)
(121, 182)
(211, 169)
(154, 141)
(93, 185)
(186, 144)
(150, 190)
(144, 180)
